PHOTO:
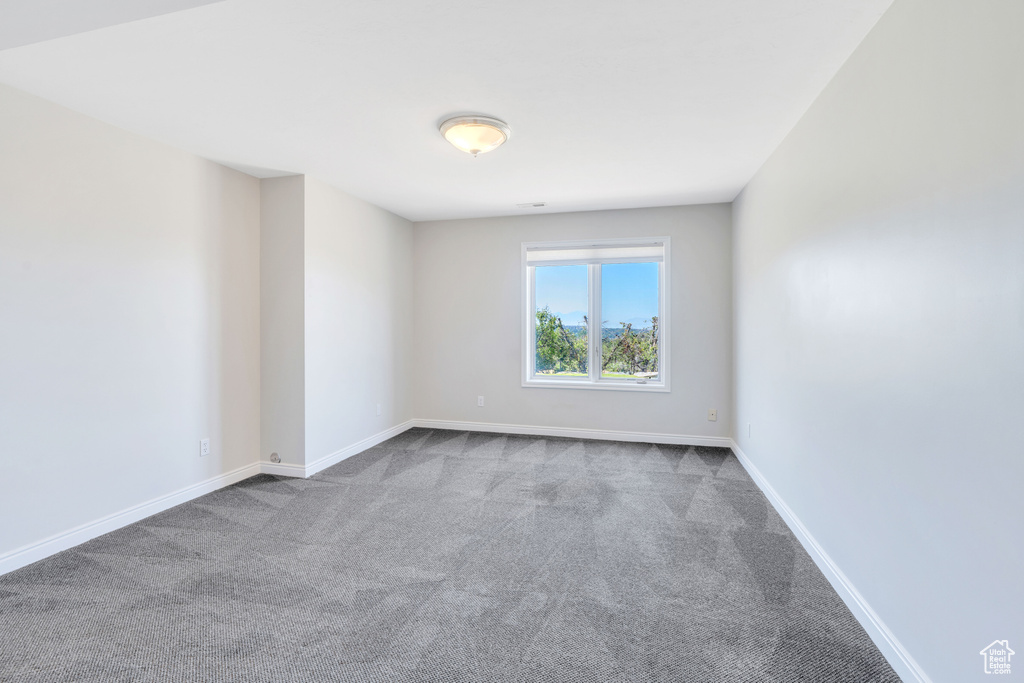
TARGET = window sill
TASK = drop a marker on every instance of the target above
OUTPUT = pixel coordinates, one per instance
(597, 386)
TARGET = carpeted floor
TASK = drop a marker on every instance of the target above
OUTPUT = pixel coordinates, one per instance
(448, 556)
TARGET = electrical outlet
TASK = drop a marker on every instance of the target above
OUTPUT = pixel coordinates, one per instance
(378, 409)
(204, 447)
(712, 414)
(480, 401)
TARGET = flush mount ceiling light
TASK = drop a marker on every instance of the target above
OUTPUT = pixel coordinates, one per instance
(475, 134)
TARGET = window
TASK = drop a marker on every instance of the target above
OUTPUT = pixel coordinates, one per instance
(594, 314)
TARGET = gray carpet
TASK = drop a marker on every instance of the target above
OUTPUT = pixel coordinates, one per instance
(448, 556)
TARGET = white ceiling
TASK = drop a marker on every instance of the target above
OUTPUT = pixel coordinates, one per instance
(31, 21)
(611, 104)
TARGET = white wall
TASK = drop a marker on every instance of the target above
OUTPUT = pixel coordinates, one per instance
(358, 320)
(129, 319)
(282, 319)
(468, 323)
(880, 325)
(132, 278)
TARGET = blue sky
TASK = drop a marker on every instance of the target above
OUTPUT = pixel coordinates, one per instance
(629, 292)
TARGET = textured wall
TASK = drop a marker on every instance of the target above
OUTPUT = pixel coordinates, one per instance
(282, 316)
(129, 301)
(469, 319)
(880, 325)
(358, 319)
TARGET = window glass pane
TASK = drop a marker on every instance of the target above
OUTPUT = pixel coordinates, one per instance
(560, 316)
(629, 321)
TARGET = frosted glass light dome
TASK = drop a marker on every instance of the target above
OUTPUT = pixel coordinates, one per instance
(475, 134)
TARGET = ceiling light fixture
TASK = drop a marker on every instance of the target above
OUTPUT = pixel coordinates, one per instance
(475, 134)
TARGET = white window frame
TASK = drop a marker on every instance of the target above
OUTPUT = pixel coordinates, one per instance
(594, 381)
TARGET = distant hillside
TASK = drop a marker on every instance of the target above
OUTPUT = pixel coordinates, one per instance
(606, 332)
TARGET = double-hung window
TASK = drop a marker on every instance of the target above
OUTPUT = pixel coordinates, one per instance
(595, 314)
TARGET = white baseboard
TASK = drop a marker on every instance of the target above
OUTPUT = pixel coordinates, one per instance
(601, 434)
(282, 469)
(54, 544)
(899, 658)
(303, 471)
(347, 452)
(68, 539)
(888, 644)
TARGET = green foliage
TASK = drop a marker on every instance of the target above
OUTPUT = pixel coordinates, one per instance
(560, 349)
(624, 352)
(631, 352)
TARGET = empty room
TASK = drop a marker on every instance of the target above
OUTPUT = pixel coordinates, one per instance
(467, 341)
